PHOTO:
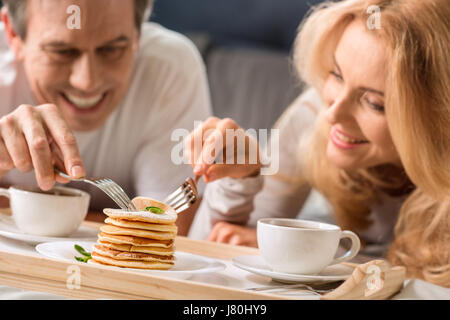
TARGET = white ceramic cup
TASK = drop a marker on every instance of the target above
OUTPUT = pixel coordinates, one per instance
(301, 246)
(55, 213)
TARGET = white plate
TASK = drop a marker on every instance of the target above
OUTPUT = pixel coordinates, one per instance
(186, 264)
(257, 265)
(9, 229)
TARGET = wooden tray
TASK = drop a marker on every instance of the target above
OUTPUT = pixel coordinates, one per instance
(372, 280)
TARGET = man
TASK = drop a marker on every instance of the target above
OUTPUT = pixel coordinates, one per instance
(98, 96)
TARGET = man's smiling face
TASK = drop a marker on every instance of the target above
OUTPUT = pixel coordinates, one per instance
(85, 72)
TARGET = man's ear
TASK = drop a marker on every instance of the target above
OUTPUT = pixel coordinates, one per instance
(14, 40)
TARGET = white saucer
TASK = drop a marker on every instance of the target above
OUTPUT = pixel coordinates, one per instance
(257, 265)
(9, 230)
(186, 264)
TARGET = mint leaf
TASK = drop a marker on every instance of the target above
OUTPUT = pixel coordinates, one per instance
(155, 210)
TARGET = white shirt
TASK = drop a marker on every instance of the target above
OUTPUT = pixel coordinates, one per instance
(168, 91)
(244, 201)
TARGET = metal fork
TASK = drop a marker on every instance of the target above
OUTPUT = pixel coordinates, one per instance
(184, 196)
(291, 286)
(112, 189)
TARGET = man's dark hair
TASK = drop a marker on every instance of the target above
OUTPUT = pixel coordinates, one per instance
(18, 15)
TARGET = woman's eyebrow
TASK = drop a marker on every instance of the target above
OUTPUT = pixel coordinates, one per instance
(361, 88)
(336, 64)
(372, 90)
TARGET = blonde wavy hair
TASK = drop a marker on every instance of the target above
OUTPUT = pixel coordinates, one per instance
(417, 103)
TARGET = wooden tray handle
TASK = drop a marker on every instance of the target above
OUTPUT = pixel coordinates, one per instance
(373, 280)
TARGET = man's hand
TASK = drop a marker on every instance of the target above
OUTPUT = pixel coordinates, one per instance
(39, 138)
(225, 232)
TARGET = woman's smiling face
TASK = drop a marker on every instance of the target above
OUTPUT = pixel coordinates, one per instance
(354, 97)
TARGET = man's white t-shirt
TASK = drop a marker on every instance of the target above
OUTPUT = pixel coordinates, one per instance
(168, 91)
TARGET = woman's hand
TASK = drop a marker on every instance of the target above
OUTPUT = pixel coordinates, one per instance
(225, 232)
(213, 156)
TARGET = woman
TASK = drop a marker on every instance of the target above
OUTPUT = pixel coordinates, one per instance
(372, 134)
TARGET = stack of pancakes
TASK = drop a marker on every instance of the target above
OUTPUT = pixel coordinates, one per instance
(140, 239)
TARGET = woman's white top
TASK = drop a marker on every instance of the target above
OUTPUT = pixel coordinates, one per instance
(244, 201)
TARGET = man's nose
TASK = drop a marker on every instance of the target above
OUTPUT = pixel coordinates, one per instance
(341, 109)
(85, 74)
